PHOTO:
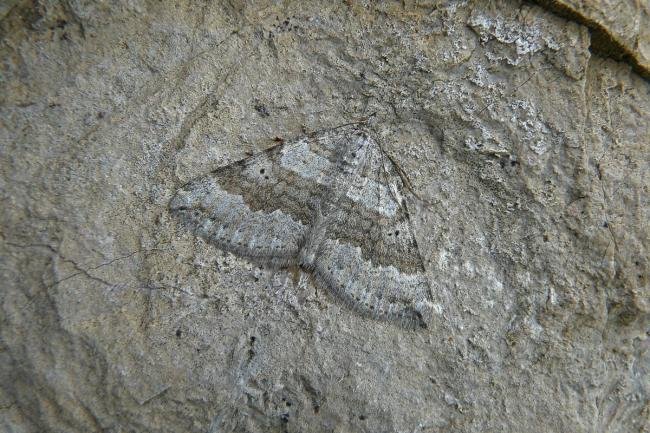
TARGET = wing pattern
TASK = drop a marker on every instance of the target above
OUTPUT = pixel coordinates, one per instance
(332, 204)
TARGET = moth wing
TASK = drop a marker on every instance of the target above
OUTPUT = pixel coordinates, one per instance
(370, 257)
(382, 291)
(257, 207)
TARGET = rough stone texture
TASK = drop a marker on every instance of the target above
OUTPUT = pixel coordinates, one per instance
(620, 29)
(529, 153)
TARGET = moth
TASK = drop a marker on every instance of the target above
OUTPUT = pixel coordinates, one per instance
(332, 204)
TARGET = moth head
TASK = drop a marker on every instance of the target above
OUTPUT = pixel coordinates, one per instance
(188, 197)
(190, 201)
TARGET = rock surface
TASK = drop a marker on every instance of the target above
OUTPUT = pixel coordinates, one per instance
(529, 155)
(620, 29)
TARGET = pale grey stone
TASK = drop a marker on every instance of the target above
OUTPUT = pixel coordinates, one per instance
(527, 159)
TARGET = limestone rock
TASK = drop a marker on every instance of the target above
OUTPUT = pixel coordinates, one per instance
(528, 153)
(620, 29)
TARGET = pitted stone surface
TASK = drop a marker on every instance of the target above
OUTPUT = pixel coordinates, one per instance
(522, 157)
